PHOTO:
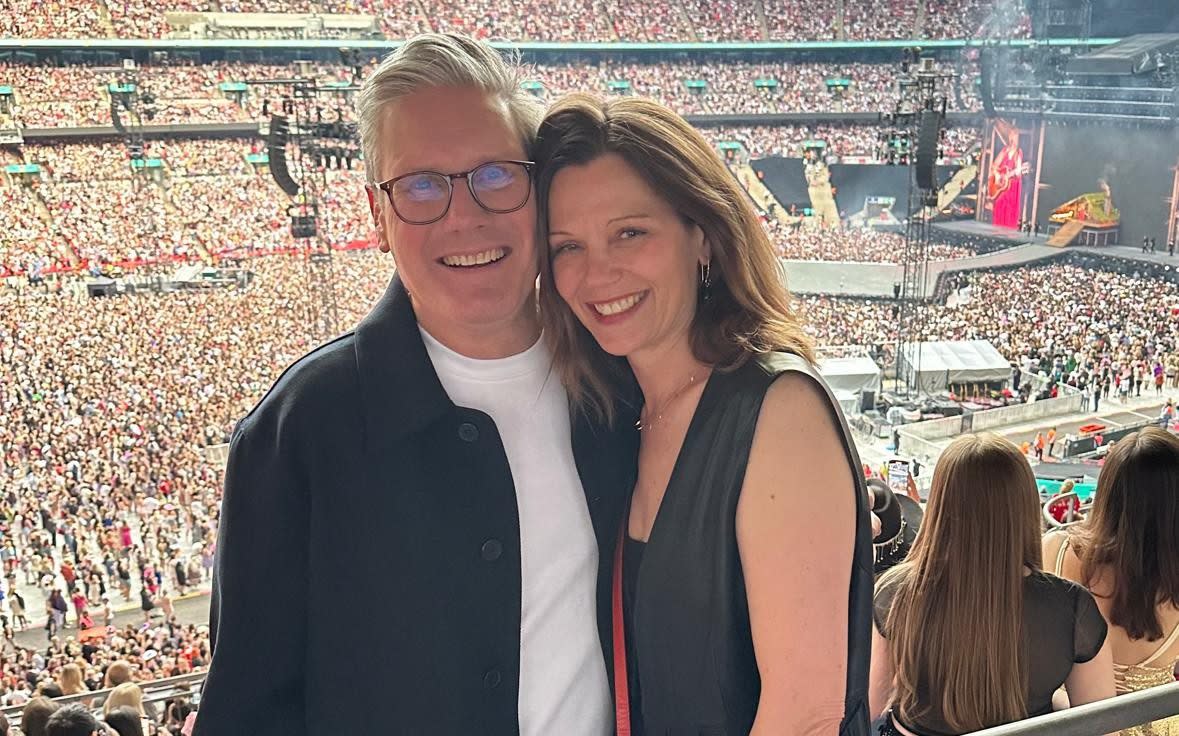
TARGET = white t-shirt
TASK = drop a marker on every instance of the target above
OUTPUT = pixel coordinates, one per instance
(563, 686)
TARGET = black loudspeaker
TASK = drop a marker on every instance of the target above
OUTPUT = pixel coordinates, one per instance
(101, 287)
(303, 226)
(867, 401)
(927, 140)
(276, 152)
(985, 93)
(116, 120)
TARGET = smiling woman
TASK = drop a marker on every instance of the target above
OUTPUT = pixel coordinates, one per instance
(646, 167)
(659, 269)
(623, 260)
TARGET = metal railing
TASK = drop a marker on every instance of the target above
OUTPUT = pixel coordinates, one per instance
(154, 691)
(1072, 515)
(1097, 719)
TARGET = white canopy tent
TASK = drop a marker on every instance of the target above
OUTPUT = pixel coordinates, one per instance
(853, 375)
(937, 365)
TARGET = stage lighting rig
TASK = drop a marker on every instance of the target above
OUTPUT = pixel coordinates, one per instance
(914, 138)
(313, 128)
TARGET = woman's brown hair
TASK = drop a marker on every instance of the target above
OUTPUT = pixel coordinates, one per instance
(955, 621)
(749, 310)
(1131, 530)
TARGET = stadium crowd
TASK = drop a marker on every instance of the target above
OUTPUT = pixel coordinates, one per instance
(842, 140)
(108, 498)
(50, 96)
(853, 245)
(111, 398)
(111, 500)
(1086, 328)
(651, 22)
(107, 494)
(532, 20)
(796, 20)
(90, 210)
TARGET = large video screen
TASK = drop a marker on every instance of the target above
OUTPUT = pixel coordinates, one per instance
(1138, 165)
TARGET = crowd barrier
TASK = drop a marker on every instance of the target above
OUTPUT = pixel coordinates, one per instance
(154, 691)
(920, 439)
(1100, 718)
(1066, 403)
(1095, 719)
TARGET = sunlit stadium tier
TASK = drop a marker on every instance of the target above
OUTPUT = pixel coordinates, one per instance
(520, 20)
(76, 89)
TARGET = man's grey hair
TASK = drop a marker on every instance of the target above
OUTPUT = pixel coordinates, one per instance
(444, 60)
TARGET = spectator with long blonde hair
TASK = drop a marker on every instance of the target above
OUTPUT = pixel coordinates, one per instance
(127, 694)
(956, 621)
(70, 679)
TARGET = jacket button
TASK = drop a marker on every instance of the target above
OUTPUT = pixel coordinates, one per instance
(492, 679)
(492, 550)
(468, 432)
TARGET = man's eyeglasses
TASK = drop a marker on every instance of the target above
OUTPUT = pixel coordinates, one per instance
(423, 197)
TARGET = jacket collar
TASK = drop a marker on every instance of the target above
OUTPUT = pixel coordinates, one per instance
(402, 395)
(398, 383)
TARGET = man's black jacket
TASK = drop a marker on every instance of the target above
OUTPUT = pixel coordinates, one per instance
(368, 560)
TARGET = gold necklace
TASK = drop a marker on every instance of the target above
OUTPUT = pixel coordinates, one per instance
(641, 425)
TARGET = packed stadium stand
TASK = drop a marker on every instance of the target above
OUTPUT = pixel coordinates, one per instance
(117, 409)
(521, 20)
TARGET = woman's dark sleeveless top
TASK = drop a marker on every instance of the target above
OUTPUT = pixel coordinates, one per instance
(692, 645)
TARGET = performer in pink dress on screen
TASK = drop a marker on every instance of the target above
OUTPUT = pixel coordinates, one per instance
(1005, 184)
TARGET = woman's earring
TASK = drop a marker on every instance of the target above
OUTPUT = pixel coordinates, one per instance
(705, 282)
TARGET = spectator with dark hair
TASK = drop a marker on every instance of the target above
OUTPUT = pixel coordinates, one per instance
(1125, 552)
(176, 714)
(73, 720)
(51, 690)
(721, 312)
(35, 717)
(954, 621)
(126, 721)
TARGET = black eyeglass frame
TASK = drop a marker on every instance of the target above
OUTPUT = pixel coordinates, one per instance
(387, 188)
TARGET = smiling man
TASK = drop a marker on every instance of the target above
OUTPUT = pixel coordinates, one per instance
(412, 519)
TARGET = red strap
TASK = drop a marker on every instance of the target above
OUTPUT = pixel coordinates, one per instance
(621, 681)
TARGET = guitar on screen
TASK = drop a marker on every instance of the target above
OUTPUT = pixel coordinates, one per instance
(1000, 180)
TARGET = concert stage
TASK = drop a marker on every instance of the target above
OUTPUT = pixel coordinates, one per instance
(876, 280)
(1134, 253)
(962, 232)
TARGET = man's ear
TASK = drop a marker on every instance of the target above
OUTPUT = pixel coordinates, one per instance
(374, 208)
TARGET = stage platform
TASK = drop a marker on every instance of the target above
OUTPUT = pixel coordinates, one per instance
(961, 231)
(876, 280)
(1132, 253)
